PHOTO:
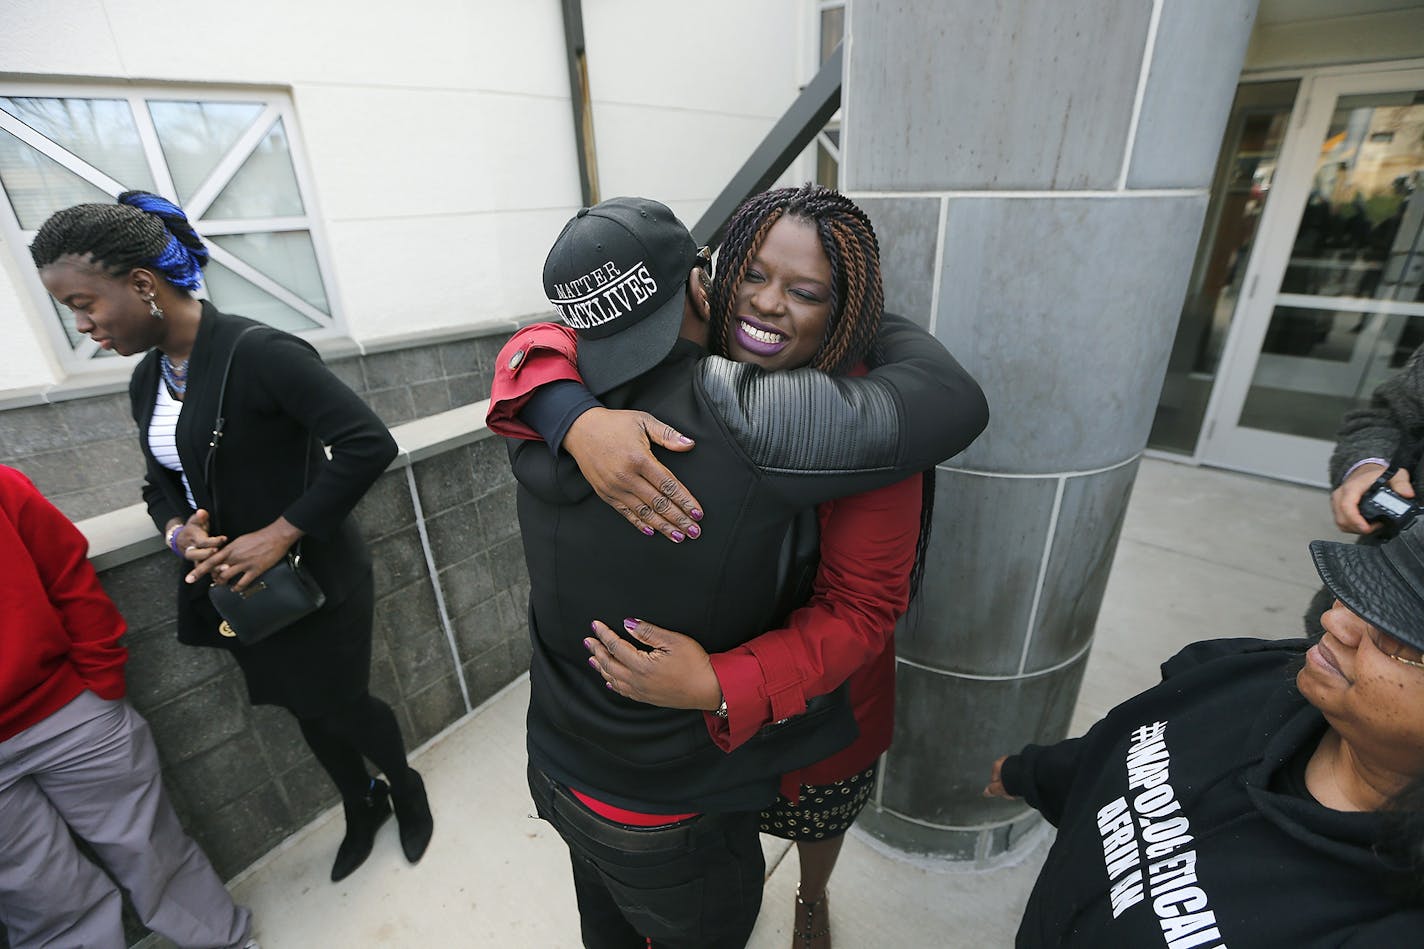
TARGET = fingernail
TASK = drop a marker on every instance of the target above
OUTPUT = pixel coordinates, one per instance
(608, 685)
(694, 531)
(678, 537)
(630, 624)
(696, 514)
(593, 662)
(593, 626)
(648, 531)
(588, 644)
(684, 439)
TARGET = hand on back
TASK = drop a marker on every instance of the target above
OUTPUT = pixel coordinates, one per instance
(613, 448)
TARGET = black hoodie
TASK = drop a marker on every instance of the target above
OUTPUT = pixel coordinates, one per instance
(1177, 827)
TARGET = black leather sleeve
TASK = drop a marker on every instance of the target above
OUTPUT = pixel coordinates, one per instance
(915, 410)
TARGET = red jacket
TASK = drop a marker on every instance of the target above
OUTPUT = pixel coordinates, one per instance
(845, 631)
(59, 631)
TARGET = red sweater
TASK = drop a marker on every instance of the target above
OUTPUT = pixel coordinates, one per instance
(59, 631)
(844, 632)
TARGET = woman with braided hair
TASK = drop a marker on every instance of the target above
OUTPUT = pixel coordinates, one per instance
(128, 272)
(797, 284)
(816, 227)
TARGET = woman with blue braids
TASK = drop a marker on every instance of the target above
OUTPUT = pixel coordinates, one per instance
(127, 271)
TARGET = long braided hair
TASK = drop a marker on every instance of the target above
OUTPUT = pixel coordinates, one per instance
(141, 230)
(848, 241)
(857, 294)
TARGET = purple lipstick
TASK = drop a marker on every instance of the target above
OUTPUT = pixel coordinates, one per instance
(758, 338)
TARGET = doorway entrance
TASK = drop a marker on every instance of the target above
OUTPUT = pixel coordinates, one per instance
(1307, 289)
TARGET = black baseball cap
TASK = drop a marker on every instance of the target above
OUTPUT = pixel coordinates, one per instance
(616, 275)
(1382, 584)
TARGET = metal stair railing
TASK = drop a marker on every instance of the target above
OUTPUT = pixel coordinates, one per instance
(812, 109)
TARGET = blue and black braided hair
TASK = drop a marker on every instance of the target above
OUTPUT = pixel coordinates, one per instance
(141, 230)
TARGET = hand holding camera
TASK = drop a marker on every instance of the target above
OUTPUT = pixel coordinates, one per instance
(1345, 500)
(1388, 502)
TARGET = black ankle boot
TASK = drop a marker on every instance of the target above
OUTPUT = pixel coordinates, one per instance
(364, 816)
(413, 814)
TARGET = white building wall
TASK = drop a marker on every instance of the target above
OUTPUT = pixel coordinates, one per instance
(682, 93)
(438, 133)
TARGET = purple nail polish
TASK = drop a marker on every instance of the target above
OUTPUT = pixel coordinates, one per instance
(694, 531)
(647, 531)
(678, 537)
(684, 439)
(593, 662)
(588, 644)
(630, 624)
(696, 514)
(608, 685)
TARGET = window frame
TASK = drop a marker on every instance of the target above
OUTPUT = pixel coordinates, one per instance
(811, 157)
(277, 105)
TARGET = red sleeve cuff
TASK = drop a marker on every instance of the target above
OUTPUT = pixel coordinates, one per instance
(783, 679)
(535, 356)
(748, 709)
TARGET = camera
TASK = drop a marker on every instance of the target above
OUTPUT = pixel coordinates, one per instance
(1381, 503)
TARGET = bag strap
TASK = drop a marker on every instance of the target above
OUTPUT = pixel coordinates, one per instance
(220, 422)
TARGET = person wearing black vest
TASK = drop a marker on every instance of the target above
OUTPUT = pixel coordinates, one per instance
(768, 446)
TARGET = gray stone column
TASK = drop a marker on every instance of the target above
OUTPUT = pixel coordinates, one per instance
(1037, 171)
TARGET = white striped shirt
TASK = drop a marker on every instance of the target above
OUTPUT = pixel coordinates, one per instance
(162, 437)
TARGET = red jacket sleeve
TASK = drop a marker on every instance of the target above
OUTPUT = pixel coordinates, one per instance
(537, 355)
(861, 589)
(90, 619)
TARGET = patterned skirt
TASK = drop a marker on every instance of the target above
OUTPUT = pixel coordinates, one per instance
(824, 811)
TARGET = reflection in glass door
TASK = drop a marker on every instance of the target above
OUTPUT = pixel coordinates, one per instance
(1245, 171)
(1349, 311)
(1346, 265)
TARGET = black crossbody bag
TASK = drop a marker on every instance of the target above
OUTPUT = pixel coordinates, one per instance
(285, 592)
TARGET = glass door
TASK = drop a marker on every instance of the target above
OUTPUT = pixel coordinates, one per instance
(1245, 171)
(1332, 302)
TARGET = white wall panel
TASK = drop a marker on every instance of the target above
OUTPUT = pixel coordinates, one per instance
(386, 152)
(58, 38)
(737, 56)
(26, 361)
(672, 155)
(682, 94)
(404, 275)
(458, 44)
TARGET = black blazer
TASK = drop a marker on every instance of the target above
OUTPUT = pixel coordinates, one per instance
(279, 391)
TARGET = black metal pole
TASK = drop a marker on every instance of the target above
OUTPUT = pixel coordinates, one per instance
(579, 98)
(792, 132)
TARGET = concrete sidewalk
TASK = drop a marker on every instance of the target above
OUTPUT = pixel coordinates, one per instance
(1203, 554)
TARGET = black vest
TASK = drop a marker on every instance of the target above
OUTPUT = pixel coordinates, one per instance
(586, 563)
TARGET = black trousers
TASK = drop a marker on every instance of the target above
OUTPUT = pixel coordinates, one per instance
(693, 885)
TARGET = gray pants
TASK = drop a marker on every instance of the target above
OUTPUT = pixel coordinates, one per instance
(92, 766)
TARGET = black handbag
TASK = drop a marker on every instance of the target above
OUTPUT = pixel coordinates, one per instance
(285, 592)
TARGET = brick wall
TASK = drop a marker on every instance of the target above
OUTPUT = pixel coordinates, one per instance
(83, 453)
(241, 777)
